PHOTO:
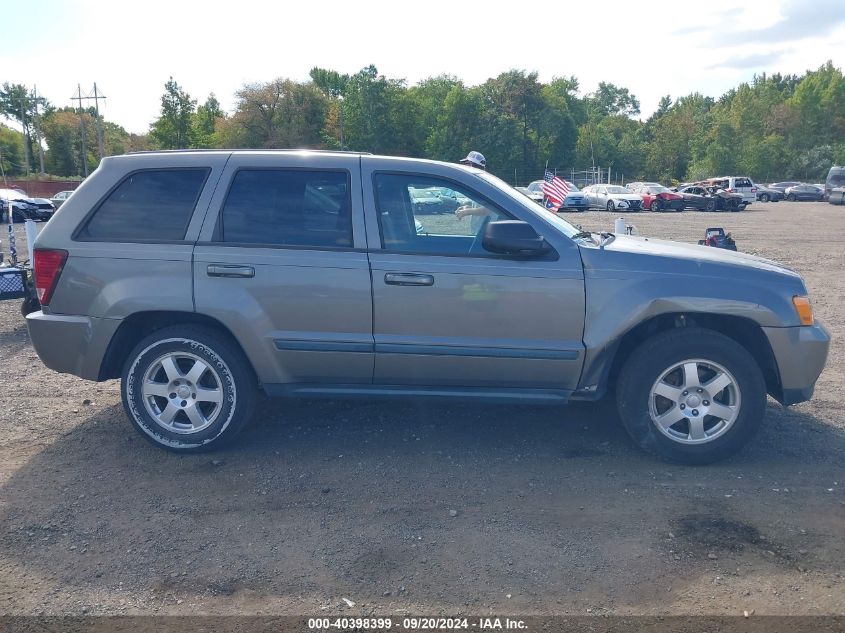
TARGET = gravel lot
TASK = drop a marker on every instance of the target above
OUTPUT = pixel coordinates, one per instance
(413, 507)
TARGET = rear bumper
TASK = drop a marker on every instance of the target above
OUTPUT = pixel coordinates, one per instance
(800, 354)
(71, 344)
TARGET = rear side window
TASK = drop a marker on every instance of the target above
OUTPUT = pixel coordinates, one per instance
(148, 205)
(743, 182)
(288, 207)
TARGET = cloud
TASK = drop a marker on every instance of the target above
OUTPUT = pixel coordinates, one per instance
(747, 62)
(801, 19)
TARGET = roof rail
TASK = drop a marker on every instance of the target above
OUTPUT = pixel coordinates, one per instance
(249, 149)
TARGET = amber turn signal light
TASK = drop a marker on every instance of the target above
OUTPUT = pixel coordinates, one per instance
(804, 309)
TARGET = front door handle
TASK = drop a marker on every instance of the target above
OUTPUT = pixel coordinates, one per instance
(222, 270)
(408, 279)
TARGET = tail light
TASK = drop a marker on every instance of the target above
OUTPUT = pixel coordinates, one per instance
(753, 189)
(730, 189)
(48, 266)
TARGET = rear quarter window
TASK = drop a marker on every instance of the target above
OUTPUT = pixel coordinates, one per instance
(150, 205)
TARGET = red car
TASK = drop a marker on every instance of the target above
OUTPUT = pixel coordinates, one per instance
(659, 198)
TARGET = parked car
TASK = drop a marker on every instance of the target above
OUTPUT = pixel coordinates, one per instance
(804, 193)
(768, 194)
(575, 200)
(659, 198)
(612, 197)
(736, 184)
(835, 178)
(23, 207)
(709, 198)
(782, 186)
(59, 199)
(536, 197)
(631, 186)
(200, 278)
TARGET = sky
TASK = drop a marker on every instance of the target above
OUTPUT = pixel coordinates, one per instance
(130, 49)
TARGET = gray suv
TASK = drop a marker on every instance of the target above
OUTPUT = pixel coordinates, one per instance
(201, 277)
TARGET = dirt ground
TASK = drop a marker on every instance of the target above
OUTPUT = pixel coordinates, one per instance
(420, 508)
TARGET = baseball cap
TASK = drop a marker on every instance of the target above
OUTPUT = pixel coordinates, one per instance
(475, 158)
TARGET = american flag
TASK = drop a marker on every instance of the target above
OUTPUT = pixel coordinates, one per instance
(554, 191)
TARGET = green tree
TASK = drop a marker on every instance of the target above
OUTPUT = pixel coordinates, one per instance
(204, 124)
(172, 130)
(11, 151)
(278, 114)
(609, 99)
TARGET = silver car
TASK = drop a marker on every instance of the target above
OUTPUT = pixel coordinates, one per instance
(612, 198)
(200, 278)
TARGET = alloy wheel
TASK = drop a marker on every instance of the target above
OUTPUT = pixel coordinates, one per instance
(694, 401)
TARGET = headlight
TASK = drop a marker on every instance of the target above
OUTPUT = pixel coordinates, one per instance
(804, 309)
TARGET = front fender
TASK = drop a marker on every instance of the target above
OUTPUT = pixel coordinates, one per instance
(619, 302)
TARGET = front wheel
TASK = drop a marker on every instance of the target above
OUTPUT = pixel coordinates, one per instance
(691, 395)
(791, 197)
(656, 205)
(187, 388)
(764, 197)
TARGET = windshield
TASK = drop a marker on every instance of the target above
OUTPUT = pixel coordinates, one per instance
(532, 207)
(617, 190)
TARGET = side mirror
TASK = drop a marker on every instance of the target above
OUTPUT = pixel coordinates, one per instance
(514, 237)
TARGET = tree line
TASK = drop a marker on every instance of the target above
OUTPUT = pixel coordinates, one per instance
(774, 127)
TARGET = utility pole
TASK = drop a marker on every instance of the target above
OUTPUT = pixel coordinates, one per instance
(99, 125)
(38, 129)
(25, 135)
(96, 95)
(82, 128)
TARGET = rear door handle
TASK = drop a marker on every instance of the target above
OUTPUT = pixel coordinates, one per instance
(408, 279)
(222, 270)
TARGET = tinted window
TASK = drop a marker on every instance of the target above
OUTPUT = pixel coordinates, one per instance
(418, 214)
(148, 205)
(742, 182)
(288, 207)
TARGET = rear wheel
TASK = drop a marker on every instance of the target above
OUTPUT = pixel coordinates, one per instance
(187, 388)
(657, 205)
(711, 205)
(691, 395)
(791, 197)
(610, 206)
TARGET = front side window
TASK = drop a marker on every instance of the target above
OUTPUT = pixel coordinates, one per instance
(288, 207)
(419, 214)
(154, 205)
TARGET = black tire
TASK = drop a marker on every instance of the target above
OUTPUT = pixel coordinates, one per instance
(228, 375)
(610, 206)
(17, 216)
(647, 363)
(656, 205)
(791, 197)
(764, 197)
(712, 205)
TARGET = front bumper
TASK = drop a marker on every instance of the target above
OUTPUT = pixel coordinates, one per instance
(71, 344)
(800, 353)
